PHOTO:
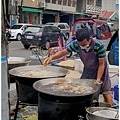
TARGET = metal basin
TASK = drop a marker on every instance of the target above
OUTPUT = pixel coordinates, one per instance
(17, 62)
(101, 113)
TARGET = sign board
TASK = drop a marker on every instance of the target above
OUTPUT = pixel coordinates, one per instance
(93, 9)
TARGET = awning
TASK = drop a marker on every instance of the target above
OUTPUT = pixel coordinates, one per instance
(67, 12)
(80, 13)
(50, 12)
(76, 13)
(25, 9)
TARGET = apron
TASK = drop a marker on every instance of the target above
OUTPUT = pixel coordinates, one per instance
(91, 64)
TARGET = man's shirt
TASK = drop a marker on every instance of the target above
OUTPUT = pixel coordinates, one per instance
(99, 48)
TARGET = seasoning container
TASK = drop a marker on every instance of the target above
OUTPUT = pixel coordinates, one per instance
(78, 65)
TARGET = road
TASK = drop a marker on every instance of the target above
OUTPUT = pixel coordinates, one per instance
(16, 49)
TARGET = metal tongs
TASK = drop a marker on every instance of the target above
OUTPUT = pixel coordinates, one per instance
(117, 114)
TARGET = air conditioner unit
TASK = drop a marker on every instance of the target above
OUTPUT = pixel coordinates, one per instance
(42, 3)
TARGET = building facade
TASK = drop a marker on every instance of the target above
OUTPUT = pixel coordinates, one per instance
(89, 6)
(110, 5)
(42, 11)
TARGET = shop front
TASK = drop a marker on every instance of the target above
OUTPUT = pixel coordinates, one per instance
(30, 15)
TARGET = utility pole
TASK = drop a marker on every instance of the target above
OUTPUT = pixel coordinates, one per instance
(4, 67)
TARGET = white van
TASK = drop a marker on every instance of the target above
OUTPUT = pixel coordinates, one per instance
(64, 27)
(16, 30)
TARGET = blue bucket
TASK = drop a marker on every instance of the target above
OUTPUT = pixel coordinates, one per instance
(116, 92)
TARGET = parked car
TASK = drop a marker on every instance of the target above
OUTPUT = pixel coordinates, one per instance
(99, 24)
(16, 30)
(113, 26)
(64, 27)
(40, 35)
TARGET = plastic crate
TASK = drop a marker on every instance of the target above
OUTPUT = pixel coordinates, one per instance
(116, 92)
(115, 50)
(116, 58)
(115, 46)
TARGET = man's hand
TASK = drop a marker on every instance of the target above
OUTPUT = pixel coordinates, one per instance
(98, 81)
(47, 61)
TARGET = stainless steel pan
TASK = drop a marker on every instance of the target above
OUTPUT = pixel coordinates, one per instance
(17, 62)
(103, 113)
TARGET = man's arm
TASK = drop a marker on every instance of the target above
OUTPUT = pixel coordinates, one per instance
(101, 68)
(59, 54)
(55, 56)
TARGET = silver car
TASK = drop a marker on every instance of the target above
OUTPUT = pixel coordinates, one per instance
(64, 27)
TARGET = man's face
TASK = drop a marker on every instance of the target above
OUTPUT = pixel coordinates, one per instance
(85, 45)
(85, 42)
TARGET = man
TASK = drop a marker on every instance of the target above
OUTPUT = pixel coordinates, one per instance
(83, 25)
(93, 55)
(92, 29)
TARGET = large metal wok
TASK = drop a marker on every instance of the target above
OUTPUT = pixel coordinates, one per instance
(56, 72)
(51, 95)
(25, 89)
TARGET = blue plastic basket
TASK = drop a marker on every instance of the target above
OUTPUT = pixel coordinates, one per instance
(116, 58)
(115, 46)
(115, 50)
(116, 92)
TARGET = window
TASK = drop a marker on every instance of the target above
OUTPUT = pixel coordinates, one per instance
(67, 26)
(103, 28)
(64, 2)
(78, 25)
(16, 26)
(55, 29)
(48, 1)
(89, 2)
(33, 29)
(45, 29)
(61, 26)
(59, 2)
(69, 2)
(24, 27)
(99, 3)
(108, 28)
(74, 4)
(49, 28)
(54, 1)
